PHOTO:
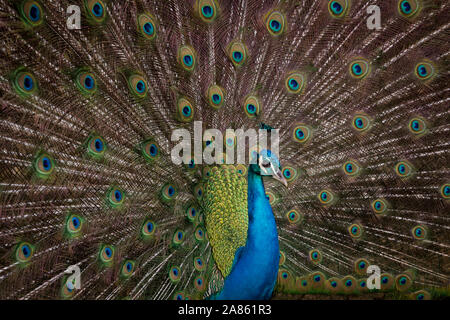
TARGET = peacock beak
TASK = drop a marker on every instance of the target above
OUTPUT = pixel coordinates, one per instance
(279, 176)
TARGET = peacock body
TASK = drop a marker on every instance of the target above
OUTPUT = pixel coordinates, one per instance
(87, 116)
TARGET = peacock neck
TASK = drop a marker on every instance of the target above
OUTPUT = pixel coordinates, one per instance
(262, 228)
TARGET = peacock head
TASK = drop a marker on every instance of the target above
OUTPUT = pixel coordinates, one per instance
(268, 164)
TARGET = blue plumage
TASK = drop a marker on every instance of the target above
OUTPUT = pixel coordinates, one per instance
(255, 269)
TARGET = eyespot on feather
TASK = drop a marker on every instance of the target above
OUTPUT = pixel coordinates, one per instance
(380, 206)
(185, 110)
(175, 274)
(275, 22)
(252, 106)
(237, 52)
(32, 12)
(187, 57)
(96, 146)
(294, 217)
(315, 256)
(445, 191)
(115, 197)
(361, 122)
(326, 197)
(355, 230)
(295, 82)
(74, 225)
(207, 10)
(418, 126)
(150, 150)
(86, 82)
(404, 169)
(24, 252)
(409, 8)
(338, 8)
(146, 24)
(148, 229)
(359, 68)
(24, 82)
(127, 268)
(106, 255)
(361, 266)
(351, 168)
(178, 237)
(302, 133)
(138, 85)
(215, 96)
(96, 10)
(43, 165)
(425, 70)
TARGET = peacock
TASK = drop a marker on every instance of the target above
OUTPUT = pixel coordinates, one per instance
(353, 202)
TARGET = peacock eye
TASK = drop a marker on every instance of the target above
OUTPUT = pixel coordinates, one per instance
(127, 268)
(351, 168)
(421, 295)
(199, 234)
(338, 8)
(326, 197)
(355, 230)
(251, 106)
(408, 8)
(178, 238)
(187, 57)
(106, 254)
(32, 12)
(215, 96)
(96, 10)
(25, 83)
(207, 10)
(199, 264)
(237, 53)
(168, 192)
(275, 23)
(315, 256)
(419, 232)
(295, 82)
(361, 122)
(361, 266)
(24, 252)
(74, 225)
(138, 85)
(150, 150)
(43, 165)
(175, 274)
(359, 68)
(445, 191)
(199, 283)
(379, 206)
(266, 164)
(85, 82)
(404, 169)
(96, 146)
(148, 229)
(179, 296)
(185, 110)
(424, 70)
(417, 126)
(146, 25)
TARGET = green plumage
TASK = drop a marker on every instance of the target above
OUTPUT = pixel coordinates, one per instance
(225, 207)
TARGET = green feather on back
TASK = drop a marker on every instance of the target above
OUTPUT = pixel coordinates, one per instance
(227, 229)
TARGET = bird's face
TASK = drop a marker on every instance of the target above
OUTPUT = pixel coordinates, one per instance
(269, 165)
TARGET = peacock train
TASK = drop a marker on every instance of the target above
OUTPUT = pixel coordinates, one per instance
(352, 201)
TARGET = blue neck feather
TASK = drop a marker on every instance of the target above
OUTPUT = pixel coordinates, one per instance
(255, 268)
